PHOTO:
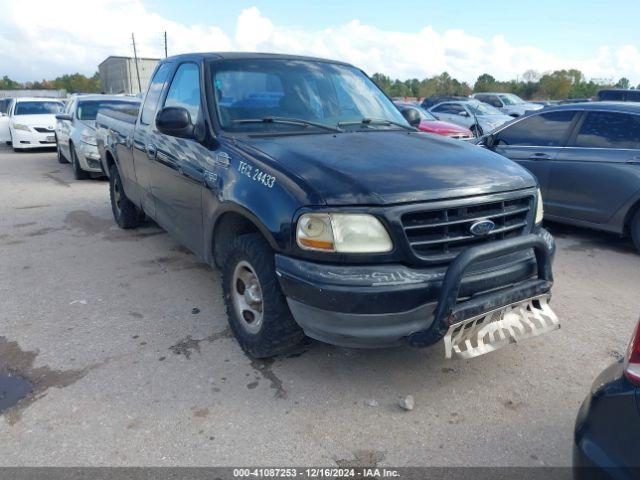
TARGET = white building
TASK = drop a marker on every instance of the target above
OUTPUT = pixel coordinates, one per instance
(119, 75)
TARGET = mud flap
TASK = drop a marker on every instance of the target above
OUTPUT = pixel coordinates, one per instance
(495, 329)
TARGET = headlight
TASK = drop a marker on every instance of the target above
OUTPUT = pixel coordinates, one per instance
(89, 137)
(19, 126)
(539, 209)
(342, 233)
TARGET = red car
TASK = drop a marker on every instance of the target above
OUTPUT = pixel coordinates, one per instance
(430, 124)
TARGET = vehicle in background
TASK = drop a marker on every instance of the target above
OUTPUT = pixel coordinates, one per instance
(75, 131)
(618, 95)
(30, 123)
(586, 157)
(327, 213)
(607, 430)
(477, 116)
(430, 124)
(5, 103)
(429, 102)
(507, 103)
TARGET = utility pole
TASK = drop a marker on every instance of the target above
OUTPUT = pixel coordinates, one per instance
(135, 56)
(165, 44)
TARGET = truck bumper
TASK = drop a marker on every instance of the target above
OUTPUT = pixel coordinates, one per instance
(387, 305)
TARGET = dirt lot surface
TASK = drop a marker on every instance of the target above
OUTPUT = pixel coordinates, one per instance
(101, 322)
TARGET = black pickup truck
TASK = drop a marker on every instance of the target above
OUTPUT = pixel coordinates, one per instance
(327, 212)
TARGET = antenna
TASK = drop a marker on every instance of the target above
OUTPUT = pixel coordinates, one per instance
(135, 56)
(165, 44)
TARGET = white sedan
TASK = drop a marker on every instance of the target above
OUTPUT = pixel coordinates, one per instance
(30, 123)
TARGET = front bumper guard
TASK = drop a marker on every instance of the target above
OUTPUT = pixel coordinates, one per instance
(449, 314)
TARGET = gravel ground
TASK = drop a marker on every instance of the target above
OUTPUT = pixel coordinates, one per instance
(101, 321)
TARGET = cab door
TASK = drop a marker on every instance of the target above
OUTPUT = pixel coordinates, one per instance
(599, 171)
(177, 174)
(534, 142)
(142, 143)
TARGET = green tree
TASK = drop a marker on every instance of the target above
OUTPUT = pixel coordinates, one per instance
(7, 84)
(623, 83)
(485, 83)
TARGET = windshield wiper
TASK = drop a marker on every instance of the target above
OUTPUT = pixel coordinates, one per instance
(289, 121)
(376, 121)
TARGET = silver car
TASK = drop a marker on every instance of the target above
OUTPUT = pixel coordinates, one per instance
(508, 103)
(478, 117)
(75, 131)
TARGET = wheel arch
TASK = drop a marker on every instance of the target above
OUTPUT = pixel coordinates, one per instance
(234, 220)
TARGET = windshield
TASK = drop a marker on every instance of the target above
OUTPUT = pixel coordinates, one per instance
(88, 110)
(480, 108)
(312, 91)
(511, 99)
(38, 108)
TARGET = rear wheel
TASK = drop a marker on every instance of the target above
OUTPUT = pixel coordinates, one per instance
(78, 173)
(635, 230)
(257, 309)
(125, 213)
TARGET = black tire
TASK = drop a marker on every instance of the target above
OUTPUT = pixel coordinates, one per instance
(634, 229)
(125, 213)
(61, 157)
(78, 173)
(278, 332)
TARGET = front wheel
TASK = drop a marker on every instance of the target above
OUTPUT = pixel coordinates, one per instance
(257, 309)
(61, 158)
(78, 173)
(125, 213)
(635, 230)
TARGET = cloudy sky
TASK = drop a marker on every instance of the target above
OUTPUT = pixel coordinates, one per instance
(43, 39)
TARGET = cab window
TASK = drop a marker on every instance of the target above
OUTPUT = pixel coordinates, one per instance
(153, 94)
(544, 130)
(185, 90)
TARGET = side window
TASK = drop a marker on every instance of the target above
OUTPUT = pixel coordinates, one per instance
(449, 108)
(609, 130)
(153, 94)
(544, 130)
(185, 90)
(494, 101)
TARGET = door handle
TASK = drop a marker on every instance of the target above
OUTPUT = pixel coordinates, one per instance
(539, 156)
(151, 150)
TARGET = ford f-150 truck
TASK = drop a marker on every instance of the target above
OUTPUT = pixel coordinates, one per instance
(326, 211)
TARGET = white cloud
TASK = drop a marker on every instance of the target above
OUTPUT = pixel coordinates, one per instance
(43, 39)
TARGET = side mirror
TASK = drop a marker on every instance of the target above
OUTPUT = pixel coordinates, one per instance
(463, 113)
(488, 140)
(64, 117)
(412, 116)
(175, 121)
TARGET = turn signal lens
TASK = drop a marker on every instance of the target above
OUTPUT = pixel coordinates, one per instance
(315, 233)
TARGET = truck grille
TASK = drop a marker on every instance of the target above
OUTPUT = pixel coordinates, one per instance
(440, 235)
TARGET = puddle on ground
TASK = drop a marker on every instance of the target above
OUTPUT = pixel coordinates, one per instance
(13, 388)
(25, 383)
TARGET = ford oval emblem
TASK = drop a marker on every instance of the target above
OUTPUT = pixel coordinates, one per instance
(482, 227)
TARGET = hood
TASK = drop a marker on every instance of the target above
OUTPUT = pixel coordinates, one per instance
(442, 128)
(45, 120)
(387, 167)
